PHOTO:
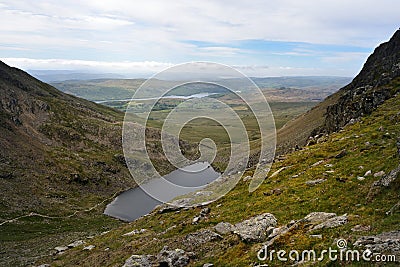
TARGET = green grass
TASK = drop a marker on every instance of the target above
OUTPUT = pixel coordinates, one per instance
(296, 201)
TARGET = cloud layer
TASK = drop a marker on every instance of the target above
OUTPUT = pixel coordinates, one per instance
(281, 34)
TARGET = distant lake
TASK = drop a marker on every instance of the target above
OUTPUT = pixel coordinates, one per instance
(199, 95)
(134, 203)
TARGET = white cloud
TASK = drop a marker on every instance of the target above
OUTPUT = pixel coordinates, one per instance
(101, 66)
(163, 31)
(344, 57)
(149, 68)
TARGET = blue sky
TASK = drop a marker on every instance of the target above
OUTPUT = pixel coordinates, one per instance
(140, 38)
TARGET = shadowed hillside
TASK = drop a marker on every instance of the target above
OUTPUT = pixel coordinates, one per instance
(60, 156)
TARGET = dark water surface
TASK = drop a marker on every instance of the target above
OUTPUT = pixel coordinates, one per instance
(134, 203)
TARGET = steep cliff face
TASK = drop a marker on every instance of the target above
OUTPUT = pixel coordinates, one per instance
(378, 81)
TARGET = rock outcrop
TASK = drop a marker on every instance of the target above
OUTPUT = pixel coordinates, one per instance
(377, 81)
(173, 258)
(139, 260)
(370, 88)
(381, 243)
(255, 228)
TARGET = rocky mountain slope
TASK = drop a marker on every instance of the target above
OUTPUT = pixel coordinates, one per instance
(344, 188)
(339, 192)
(59, 156)
(378, 80)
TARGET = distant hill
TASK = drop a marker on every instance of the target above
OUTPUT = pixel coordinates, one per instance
(275, 88)
(64, 75)
(301, 81)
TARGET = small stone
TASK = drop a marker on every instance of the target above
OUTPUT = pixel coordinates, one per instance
(61, 248)
(317, 163)
(341, 154)
(332, 222)
(360, 178)
(208, 265)
(295, 176)
(328, 165)
(314, 182)
(317, 217)
(90, 247)
(205, 211)
(379, 174)
(316, 236)
(361, 228)
(135, 232)
(196, 220)
(76, 243)
(368, 173)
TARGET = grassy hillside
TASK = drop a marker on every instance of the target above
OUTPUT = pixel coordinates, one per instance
(342, 191)
(61, 159)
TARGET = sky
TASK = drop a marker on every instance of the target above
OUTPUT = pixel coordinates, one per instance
(140, 38)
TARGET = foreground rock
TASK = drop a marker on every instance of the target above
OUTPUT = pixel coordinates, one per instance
(384, 242)
(61, 249)
(255, 228)
(76, 244)
(174, 258)
(332, 222)
(175, 205)
(314, 221)
(196, 239)
(318, 217)
(166, 257)
(224, 228)
(385, 181)
(139, 260)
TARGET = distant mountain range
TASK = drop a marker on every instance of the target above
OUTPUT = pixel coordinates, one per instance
(312, 88)
(64, 75)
